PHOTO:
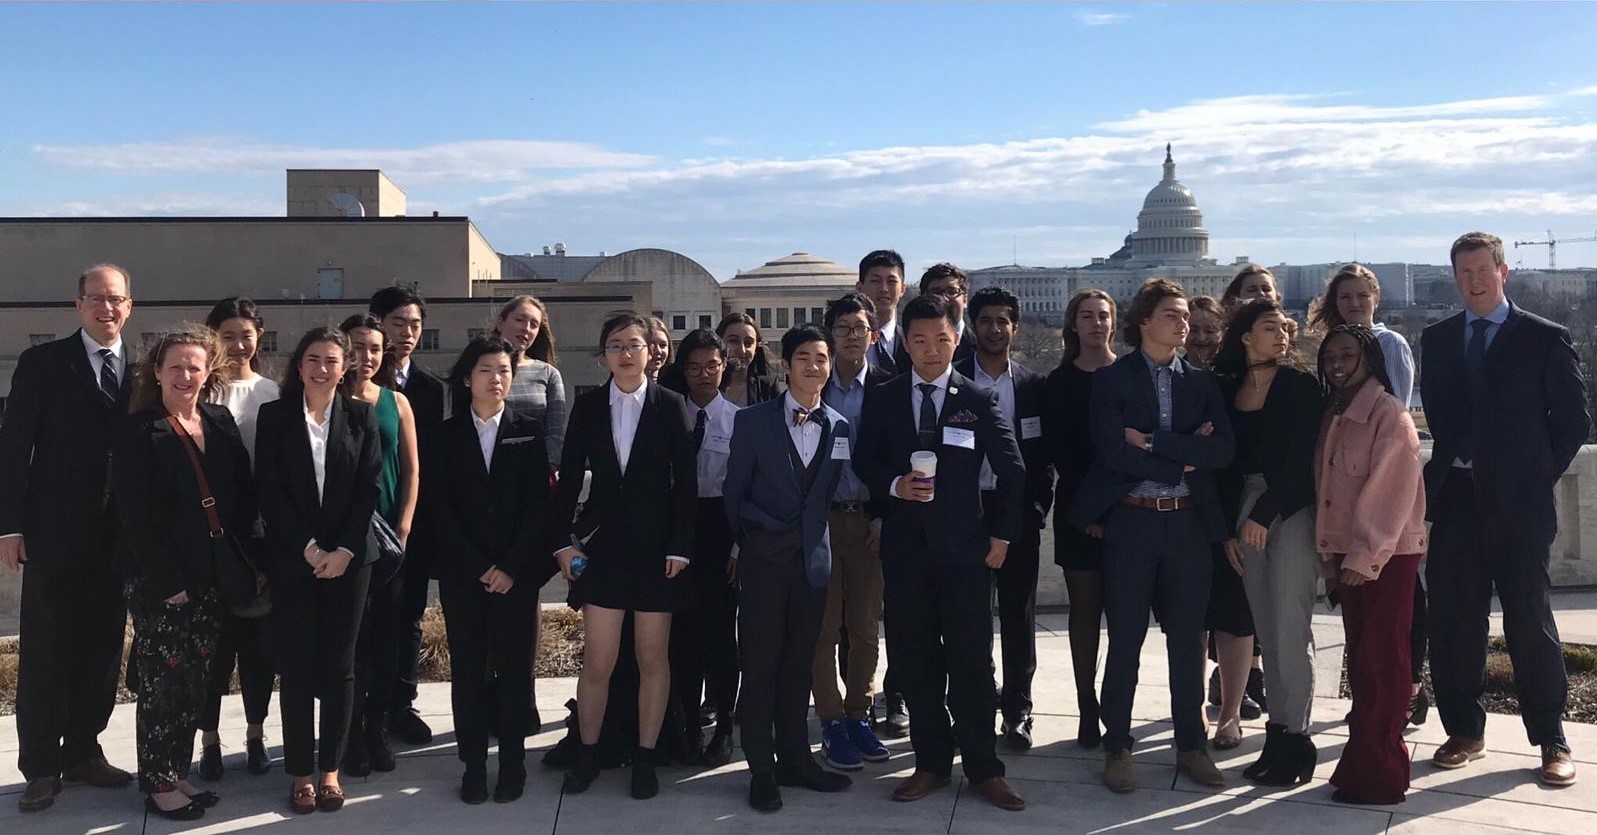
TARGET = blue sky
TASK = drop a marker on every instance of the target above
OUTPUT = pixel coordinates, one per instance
(976, 133)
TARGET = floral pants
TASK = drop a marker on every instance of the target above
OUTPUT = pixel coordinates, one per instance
(172, 649)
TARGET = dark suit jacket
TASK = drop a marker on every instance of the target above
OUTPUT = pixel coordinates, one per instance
(658, 496)
(1123, 396)
(428, 396)
(1289, 427)
(491, 516)
(1031, 397)
(770, 519)
(955, 525)
(55, 454)
(901, 362)
(1525, 433)
(166, 538)
(286, 481)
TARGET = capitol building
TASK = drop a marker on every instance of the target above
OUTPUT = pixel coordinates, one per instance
(1170, 242)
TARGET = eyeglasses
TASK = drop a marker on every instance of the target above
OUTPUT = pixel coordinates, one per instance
(842, 332)
(97, 300)
(617, 349)
(709, 369)
(948, 292)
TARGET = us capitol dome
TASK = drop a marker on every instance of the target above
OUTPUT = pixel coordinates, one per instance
(1169, 227)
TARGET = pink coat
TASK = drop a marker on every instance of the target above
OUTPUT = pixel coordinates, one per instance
(1371, 489)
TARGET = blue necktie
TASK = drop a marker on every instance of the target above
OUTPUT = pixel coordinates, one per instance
(108, 381)
(928, 416)
(1474, 361)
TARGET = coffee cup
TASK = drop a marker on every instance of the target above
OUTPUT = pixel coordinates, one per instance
(924, 463)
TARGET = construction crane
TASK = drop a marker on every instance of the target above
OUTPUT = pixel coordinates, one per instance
(1552, 246)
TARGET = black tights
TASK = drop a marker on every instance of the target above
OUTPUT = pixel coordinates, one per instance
(1086, 617)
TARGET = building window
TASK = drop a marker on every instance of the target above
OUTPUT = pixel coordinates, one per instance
(765, 317)
(40, 338)
(781, 317)
(475, 333)
(798, 316)
(268, 344)
(817, 315)
(679, 321)
(753, 314)
(429, 339)
(706, 321)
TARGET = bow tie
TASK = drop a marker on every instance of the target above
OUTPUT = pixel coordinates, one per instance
(801, 416)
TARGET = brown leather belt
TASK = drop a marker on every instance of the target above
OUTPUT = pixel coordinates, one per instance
(1163, 504)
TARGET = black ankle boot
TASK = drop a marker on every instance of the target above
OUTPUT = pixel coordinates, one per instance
(379, 752)
(1293, 764)
(584, 771)
(1272, 743)
(645, 783)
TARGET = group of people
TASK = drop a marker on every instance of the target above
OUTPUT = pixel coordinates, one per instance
(734, 529)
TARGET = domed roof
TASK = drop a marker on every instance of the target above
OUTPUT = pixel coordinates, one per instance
(1169, 193)
(1169, 227)
(800, 267)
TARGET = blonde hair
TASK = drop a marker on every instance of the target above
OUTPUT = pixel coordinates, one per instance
(1323, 315)
(147, 390)
(542, 348)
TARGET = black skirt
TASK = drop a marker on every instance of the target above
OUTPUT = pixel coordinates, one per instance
(618, 577)
(1228, 599)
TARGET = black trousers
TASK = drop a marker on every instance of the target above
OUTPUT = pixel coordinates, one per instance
(173, 648)
(243, 640)
(490, 666)
(315, 624)
(1152, 560)
(416, 577)
(704, 647)
(72, 625)
(383, 637)
(1467, 560)
(1017, 620)
(778, 623)
(939, 626)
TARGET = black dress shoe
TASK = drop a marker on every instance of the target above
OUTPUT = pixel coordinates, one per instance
(812, 777)
(191, 812)
(896, 724)
(719, 750)
(645, 783)
(255, 759)
(1018, 733)
(584, 771)
(764, 796)
(211, 763)
(205, 800)
(512, 782)
(380, 755)
(474, 784)
(407, 724)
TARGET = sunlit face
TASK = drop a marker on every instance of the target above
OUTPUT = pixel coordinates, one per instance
(104, 305)
(1344, 363)
(659, 351)
(704, 368)
(1094, 324)
(884, 286)
(626, 352)
(1257, 286)
(1268, 339)
(930, 343)
(995, 329)
(521, 326)
(365, 353)
(809, 368)
(952, 292)
(1356, 301)
(402, 326)
(489, 381)
(182, 375)
(1166, 329)
(1203, 336)
(322, 366)
(853, 335)
(240, 340)
(740, 340)
(1480, 280)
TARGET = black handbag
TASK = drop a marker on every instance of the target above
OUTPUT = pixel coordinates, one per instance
(390, 552)
(240, 582)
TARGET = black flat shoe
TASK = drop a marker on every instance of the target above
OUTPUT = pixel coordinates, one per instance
(256, 760)
(584, 771)
(474, 785)
(512, 783)
(719, 750)
(211, 763)
(191, 812)
(205, 800)
(764, 796)
(645, 783)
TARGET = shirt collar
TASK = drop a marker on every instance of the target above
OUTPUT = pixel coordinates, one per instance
(981, 373)
(859, 379)
(403, 371)
(327, 413)
(794, 406)
(616, 393)
(1174, 366)
(941, 381)
(1498, 315)
(94, 348)
(493, 421)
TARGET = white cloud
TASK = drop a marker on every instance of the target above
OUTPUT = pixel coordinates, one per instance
(1101, 18)
(152, 205)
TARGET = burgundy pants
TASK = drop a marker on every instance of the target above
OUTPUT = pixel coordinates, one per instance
(1377, 617)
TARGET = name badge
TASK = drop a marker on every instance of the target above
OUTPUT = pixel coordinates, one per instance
(959, 437)
(840, 451)
(717, 443)
(1030, 428)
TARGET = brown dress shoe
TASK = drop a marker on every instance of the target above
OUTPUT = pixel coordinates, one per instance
(1558, 767)
(918, 785)
(1458, 752)
(1117, 772)
(996, 790)
(1197, 766)
(40, 794)
(95, 771)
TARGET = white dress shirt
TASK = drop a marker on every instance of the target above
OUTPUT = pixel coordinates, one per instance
(487, 434)
(806, 436)
(318, 438)
(939, 396)
(626, 409)
(402, 375)
(719, 416)
(1004, 386)
(886, 340)
(96, 361)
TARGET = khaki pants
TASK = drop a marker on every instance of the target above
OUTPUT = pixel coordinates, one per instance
(855, 598)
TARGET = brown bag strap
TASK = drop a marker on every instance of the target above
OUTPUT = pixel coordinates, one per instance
(207, 500)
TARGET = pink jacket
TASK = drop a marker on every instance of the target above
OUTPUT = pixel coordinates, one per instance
(1371, 490)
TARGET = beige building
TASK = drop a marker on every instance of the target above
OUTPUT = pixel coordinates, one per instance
(787, 291)
(685, 295)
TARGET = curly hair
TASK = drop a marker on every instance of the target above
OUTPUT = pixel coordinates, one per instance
(147, 389)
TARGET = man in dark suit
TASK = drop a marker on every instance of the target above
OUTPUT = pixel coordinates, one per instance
(1021, 392)
(1160, 432)
(1506, 404)
(939, 548)
(403, 313)
(787, 456)
(57, 518)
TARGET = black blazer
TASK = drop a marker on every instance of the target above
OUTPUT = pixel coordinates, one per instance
(428, 396)
(1525, 433)
(491, 516)
(1289, 427)
(658, 496)
(955, 524)
(1031, 396)
(1123, 396)
(1067, 434)
(166, 538)
(286, 482)
(55, 453)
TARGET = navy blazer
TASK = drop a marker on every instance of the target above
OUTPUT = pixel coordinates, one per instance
(1123, 396)
(956, 526)
(763, 504)
(1525, 434)
(285, 479)
(1031, 398)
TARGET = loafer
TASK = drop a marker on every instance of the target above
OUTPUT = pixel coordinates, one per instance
(1199, 768)
(302, 800)
(329, 799)
(1558, 767)
(996, 790)
(916, 786)
(39, 794)
(95, 771)
(764, 796)
(1458, 752)
(1118, 774)
(211, 763)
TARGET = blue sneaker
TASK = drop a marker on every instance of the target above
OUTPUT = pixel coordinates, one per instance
(865, 742)
(837, 748)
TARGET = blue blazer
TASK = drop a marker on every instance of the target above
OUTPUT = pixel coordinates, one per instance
(1123, 396)
(763, 505)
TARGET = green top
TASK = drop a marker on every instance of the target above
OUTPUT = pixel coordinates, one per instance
(388, 430)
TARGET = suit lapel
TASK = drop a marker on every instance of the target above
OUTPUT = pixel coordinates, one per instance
(1144, 377)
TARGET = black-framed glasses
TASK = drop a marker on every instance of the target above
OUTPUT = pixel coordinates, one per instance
(709, 369)
(842, 332)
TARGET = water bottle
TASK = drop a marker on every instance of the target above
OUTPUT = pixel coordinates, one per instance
(579, 564)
